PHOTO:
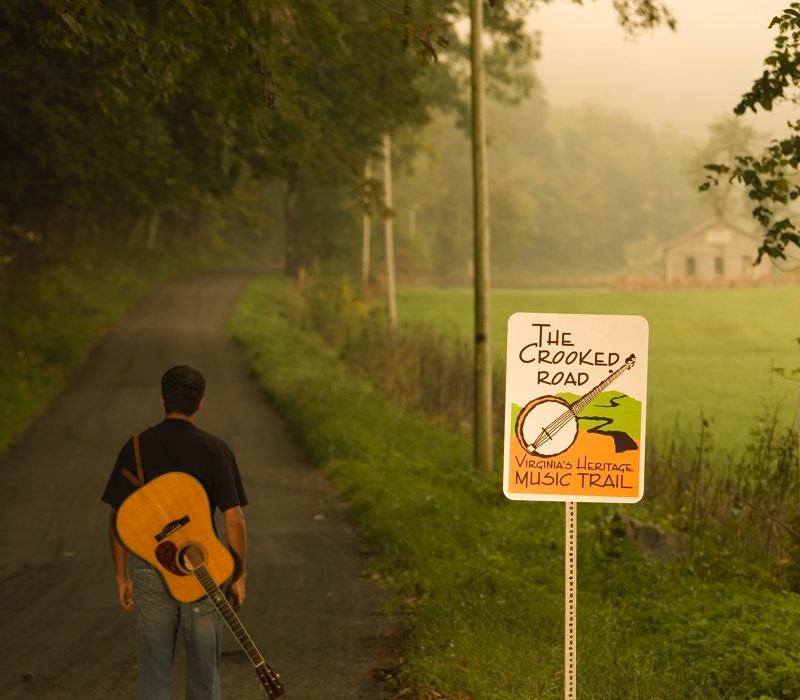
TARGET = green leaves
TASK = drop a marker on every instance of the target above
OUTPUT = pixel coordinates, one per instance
(91, 99)
(771, 176)
(782, 65)
(770, 181)
(635, 15)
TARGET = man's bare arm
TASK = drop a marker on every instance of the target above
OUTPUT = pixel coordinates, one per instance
(119, 556)
(236, 532)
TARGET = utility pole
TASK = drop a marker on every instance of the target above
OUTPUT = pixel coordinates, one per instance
(388, 229)
(483, 360)
(366, 234)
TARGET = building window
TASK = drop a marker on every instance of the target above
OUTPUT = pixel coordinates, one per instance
(719, 265)
(691, 267)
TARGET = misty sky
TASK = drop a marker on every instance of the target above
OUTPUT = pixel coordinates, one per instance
(687, 78)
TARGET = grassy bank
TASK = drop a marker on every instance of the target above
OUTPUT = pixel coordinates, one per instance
(480, 579)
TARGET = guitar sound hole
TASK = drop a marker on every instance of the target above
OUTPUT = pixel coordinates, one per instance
(191, 556)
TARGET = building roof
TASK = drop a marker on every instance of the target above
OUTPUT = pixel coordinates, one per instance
(702, 228)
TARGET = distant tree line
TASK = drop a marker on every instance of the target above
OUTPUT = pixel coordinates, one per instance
(119, 116)
(573, 191)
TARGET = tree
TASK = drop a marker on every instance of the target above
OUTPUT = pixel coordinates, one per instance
(727, 138)
(127, 110)
(570, 191)
(770, 177)
(121, 112)
(123, 109)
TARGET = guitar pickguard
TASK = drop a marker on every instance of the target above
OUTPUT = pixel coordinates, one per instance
(167, 555)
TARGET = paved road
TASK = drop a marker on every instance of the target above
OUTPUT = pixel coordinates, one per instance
(317, 620)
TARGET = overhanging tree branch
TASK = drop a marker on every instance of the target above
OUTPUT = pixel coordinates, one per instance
(770, 177)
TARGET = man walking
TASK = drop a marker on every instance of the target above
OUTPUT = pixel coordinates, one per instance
(177, 444)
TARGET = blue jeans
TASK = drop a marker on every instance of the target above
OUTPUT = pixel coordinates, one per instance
(159, 618)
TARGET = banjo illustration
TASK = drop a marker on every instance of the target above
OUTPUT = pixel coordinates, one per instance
(548, 425)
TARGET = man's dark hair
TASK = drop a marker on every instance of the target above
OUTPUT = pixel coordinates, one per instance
(182, 389)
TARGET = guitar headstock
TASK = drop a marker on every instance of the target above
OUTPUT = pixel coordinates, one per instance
(270, 680)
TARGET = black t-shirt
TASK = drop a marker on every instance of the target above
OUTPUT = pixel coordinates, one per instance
(179, 445)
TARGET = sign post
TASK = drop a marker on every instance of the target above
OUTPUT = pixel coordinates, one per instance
(576, 391)
(570, 599)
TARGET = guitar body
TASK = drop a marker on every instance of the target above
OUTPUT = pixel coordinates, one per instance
(546, 426)
(161, 520)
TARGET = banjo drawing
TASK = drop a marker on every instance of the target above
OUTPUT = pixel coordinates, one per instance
(548, 425)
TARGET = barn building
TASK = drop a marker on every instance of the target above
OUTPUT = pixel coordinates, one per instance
(714, 254)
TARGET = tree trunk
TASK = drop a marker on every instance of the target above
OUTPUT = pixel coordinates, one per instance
(292, 259)
(135, 234)
(152, 229)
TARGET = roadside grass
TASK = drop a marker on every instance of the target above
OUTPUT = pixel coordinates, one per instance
(711, 351)
(479, 579)
(47, 327)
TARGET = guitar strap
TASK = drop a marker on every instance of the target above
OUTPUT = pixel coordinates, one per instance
(138, 479)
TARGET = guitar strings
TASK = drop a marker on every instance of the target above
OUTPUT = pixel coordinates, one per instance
(215, 594)
(200, 571)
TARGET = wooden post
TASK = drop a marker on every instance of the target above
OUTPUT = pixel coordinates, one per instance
(388, 229)
(366, 234)
(483, 360)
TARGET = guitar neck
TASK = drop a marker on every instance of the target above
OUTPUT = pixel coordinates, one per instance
(270, 680)
(216, 596)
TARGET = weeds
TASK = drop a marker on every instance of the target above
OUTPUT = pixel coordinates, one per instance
(739, 513)
(416, 365)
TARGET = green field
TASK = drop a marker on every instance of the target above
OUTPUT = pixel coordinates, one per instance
(711, 351)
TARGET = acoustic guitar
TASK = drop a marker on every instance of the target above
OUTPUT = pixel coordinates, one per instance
(548, 425)
(167, 522)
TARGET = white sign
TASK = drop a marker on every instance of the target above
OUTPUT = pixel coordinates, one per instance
(576, 393)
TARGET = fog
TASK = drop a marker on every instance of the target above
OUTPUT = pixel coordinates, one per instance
(686, 78)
